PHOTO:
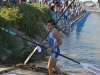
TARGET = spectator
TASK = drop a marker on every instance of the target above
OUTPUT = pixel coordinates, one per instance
(67, 13)
(62, 2)
(66, 2)
(41, 1)
(78, 9)
(56, 13)
(55, 2)
(44, 1)
(69, 1)
(62, 8)
(52, 7)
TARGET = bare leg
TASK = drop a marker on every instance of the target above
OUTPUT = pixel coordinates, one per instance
(52, 64)
(58, 70)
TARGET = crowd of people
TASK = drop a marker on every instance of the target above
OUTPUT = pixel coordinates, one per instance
(59, 7)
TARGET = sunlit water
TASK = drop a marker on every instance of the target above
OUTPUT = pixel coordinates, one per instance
(83, 47)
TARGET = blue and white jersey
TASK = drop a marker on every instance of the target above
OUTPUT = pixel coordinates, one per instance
(53, 42)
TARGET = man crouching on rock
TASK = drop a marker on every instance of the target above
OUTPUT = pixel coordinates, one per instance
(54, 41)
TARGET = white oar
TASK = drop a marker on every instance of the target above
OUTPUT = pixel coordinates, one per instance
(30, 55)
(39, 50)
(91, 68)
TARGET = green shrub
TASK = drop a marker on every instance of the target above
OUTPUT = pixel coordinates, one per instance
(26, 18)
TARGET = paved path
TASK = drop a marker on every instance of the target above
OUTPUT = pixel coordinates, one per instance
(16, 71)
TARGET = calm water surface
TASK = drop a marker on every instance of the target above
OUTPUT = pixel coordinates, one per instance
(82, 47)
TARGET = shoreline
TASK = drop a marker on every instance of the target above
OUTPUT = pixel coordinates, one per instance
(31, 67)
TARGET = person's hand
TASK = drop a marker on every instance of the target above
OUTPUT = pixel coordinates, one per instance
(49, 49)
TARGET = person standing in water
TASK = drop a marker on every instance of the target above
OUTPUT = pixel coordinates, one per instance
(54, 41)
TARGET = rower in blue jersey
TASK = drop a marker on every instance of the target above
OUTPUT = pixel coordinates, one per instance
(54, 41)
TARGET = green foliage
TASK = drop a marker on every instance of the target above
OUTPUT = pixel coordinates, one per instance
(8, 42)
(27, 18)
(2, 50)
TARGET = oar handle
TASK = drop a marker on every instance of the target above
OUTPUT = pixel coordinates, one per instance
(8, 31)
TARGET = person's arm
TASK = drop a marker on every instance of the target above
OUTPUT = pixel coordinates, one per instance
(44, 43)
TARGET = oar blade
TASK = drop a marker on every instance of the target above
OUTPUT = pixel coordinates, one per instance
(30, 56)
(91, 68)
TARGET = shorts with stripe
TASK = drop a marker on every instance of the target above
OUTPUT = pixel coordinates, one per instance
(55, 55)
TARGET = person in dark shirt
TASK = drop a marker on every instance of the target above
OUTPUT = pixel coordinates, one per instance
(52, 7)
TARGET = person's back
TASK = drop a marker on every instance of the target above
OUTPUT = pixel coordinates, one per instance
(66, 13)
